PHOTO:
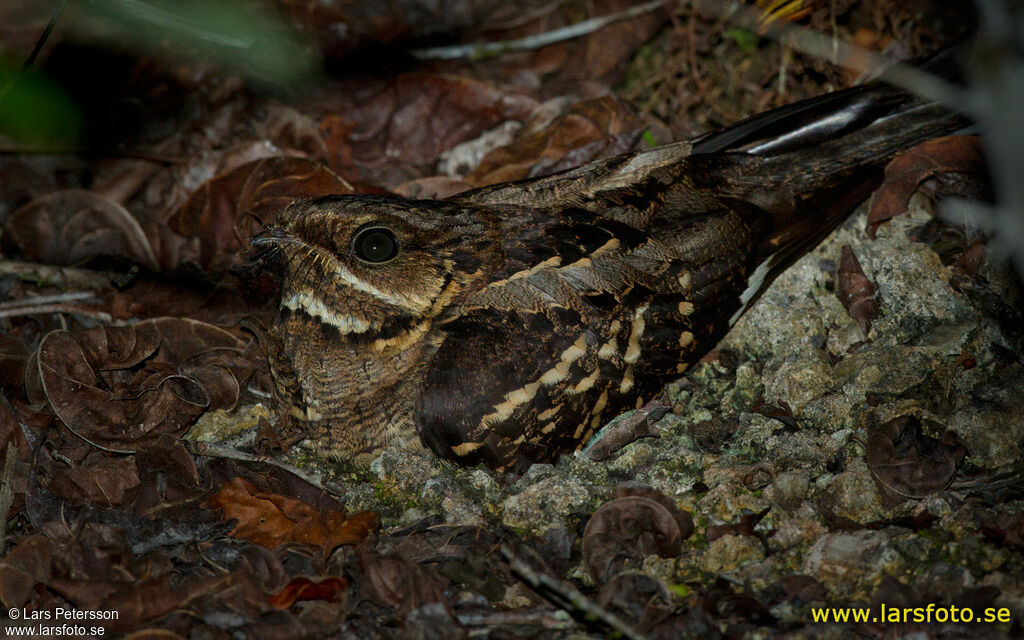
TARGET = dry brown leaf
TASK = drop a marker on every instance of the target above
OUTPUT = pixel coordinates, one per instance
(904, 175)
(397, 582)
(28, 564)
(908, 464)
(66, 366)
(624, 531)
(121, 387)
(75, 226)
(229, 209)
(856, 292)
(638, 597)
(587, 130)
(389, 132)
(148, 600)
(269, 519)
(106, 482)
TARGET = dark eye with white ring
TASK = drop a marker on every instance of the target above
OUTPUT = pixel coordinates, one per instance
(375, 244)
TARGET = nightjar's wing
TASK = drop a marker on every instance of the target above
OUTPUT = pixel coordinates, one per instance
(620, 272)
(588, 316)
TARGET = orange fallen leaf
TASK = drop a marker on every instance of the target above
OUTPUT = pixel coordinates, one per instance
(270, 519)
(306, 589)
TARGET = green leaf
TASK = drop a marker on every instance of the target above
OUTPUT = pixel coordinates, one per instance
(35, 112)
(744, 39)
(680, 590)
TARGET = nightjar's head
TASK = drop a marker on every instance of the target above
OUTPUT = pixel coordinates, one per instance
(374, 266)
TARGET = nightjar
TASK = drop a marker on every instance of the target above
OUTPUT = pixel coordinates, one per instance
(507, 324)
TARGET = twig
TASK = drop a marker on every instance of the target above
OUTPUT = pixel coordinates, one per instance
(70, 277)
(41, 300)
(783, 68)
(480, 49)
(102, 316)
(46, 34)
(36, 49)
(7, 491)
(568, 597)
(220, 451)
(543, 619)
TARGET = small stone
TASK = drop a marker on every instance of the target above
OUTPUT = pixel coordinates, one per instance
(799, 380)
(848, 562)
(549, 503)
(730, 552)
(788, 489)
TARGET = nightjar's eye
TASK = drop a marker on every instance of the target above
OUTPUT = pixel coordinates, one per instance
(375, 244)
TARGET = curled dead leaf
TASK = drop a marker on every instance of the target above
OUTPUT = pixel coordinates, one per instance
(624, 531)
(395, 581)
(74, 226)
(722, 602)
(637, 597)
(856, 292)
(908, 464)
(106, 481)
(28, 564)
(66, 369)
(390, 131)
(120, 387)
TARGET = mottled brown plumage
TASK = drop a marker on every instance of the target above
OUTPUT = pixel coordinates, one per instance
(507, 324)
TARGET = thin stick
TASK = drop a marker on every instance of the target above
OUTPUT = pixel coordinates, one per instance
(543, 619)
(479, 49)
(63, 276)
(39, 300)
(220, 451)
(46, 34)
(7, 491)
(102, 316)
(567, 597)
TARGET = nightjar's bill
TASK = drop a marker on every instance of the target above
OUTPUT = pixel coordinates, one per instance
(507, 324)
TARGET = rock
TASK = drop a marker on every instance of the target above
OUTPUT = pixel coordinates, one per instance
(551, 502)
(730, 552)
(848, 564)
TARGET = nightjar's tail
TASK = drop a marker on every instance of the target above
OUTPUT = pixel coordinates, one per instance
(823, 156)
